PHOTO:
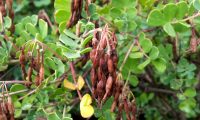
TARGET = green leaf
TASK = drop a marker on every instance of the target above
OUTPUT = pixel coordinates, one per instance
(187, 105)
(18, 113)
(71, 35)
(136, 55)
(144, 64)
(86, 50)
(43, 27)
(135, 48)
(170, 11)
(72, 55)
(119, 23)
(181, 27)
(182, 9)
(156, 18)
(62, 4)
(176, 84)
(67, 41)
(159, 64)
(18, 87)
(115, 12)
(7, 22)
(50, 63)
(154, 53)
(168, 28)
(86, 40)
(190, 92)
(62, 16)
(146, 44)
(53, 116)
(131, 25)
(196, 4)
(92, 8)
(31, 29)
(40, 3)
(133, 80)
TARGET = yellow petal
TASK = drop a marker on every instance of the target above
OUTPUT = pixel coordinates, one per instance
(86, 100)
(69, 85)
(87, 111)
(81, 82)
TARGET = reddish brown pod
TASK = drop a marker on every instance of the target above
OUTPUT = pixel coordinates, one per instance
(93, 77)
(108, 87)
(110, 65)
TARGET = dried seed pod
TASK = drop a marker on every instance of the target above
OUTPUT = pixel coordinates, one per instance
(110, 65)
(108, 87)
(100, 90)
(37, 80)
(99, 73)
(120, 108)
(103, 43)
(10, 106)
(126, 108)
(30, 70)
(41, 72)
(115, 60)
(22, 62)
(93, 77)
(113, 106)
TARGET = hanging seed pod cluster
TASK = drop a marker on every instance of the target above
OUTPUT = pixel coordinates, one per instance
(124, 103)
(6, 107)
(36, 64)
(104, 59)
(106, 82)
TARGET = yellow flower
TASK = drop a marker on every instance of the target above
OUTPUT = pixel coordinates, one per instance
(85, 106)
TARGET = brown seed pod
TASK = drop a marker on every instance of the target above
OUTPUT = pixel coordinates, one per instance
(99, 73)
(10, 106)
(113, 106)
(110, 65)
(30, 70)
(93, 77)
(41, 73)
(108, 87)
(100, 90)
(103, 43)
(37, 80)
(22, 62)
(126, 108)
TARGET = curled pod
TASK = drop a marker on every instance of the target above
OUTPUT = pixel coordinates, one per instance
(3, 10)
(110, 65)
(93, 77)
(108, 87)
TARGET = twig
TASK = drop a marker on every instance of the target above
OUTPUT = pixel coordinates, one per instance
(13, 93)
(16, 81)
(127, 54)
(74, 78)
(188, 18)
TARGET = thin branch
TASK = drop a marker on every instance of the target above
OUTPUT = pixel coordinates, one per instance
(188, 18)
(127, 54)
(14, 93)
(74, 78)
(16, 81)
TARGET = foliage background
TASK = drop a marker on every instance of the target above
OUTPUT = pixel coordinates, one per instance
(162, 71)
